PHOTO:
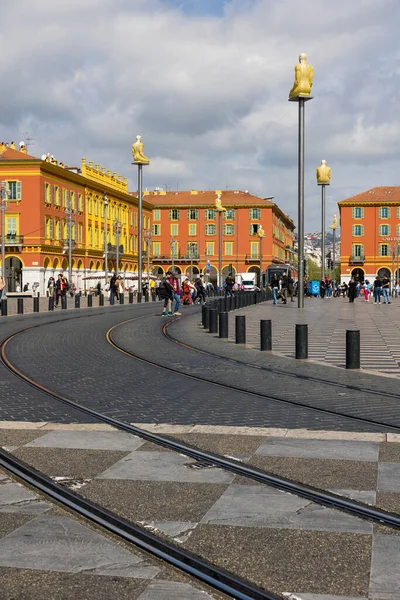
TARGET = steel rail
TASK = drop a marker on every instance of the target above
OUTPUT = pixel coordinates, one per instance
(214, 576)
(313, 494)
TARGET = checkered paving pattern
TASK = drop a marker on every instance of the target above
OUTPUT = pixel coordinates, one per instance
(301, 548)
(327, 320)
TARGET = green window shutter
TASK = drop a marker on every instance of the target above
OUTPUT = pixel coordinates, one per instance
(19, 190)
(353, 212)
(362, 212)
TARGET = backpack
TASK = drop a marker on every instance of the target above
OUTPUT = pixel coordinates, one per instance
(186, 287)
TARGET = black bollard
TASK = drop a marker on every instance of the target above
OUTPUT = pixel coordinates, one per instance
(146, 296)
(101, 300)
(112, 298)
(77, 301)
(51, 302)
(265, 334)
(64, 302)
(20, 306)
(301, 341)
(139, 297)
(130, 297)
(240, 329)
(223, 325)
(353, 349)
(121, 299)
(206, 316)
(4, 307)
(228, 303)
(36, 304)
(153, 296)
(213, 327)
(90, 300)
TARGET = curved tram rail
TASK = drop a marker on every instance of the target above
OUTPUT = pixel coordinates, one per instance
(313, 494)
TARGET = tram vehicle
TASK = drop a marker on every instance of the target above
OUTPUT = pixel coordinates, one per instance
(283, 269)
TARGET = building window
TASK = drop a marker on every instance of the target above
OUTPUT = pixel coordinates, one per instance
(254, 213)
(175, 229)
(96, 208)
(383, 250)
(210, 214)
(80, 233)
(80, 203)
(47, 193)
(398, 230)
(192, 250)
(14, 190)
(90, 231)
(73, 232)
(57, 196)
(384, 212)
(65, 198)
(254, 250)
(398, 212)
(384, 230)
(253, 228)
(229, 214)
(228, 248)
(211, 229)
(229, 229)
(192, 228)
(193, 214)
(11, 226)
(89, 205)
(174, 214)
(157, 214)
(357, 250)
(358, 212)
(156, 229)
(210, 248)
(156, 248)
(358, 230)
(49, 228)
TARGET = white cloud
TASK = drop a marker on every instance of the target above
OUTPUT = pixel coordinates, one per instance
(207, 93)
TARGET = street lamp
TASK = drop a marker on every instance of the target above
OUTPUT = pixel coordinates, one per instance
(105, 200)
(323, 179)
(261, 234)
(70, 214)
(172, 246)
(5, 194)
(334, 227)
(147, 238)
(139, 159)
(220, 209)
(117, 231)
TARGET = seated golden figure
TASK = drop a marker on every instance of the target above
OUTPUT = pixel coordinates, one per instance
(335, 223)
(323, 174)
(303, 78)
(260, 232)
(137, 152)
(218, 204)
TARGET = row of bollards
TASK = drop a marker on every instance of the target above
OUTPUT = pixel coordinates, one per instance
(215, 319)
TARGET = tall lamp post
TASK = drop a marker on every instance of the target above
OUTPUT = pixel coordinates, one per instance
(261, 234)
(334, 227)
(117, 231)
(323, 179)
(147, 238)
(3, 207)
(301, 93)
(220, 209)
(105, 201)
(140, 160)
(70, 213)
(172, 246)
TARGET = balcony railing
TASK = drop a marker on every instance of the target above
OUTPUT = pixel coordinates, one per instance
(356, 259)
(254, 257)
(186, 258)
(13, 240)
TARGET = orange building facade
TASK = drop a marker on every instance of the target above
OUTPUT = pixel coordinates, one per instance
(370, 234)
(41, 195)
(185, 233)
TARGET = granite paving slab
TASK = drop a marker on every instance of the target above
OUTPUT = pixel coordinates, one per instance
(389, 477)
(163, 590)
(15, 498)
(329, 449)
(90, 440)
(385, 570)
(163, 466)
(254, 506)
(57, 543)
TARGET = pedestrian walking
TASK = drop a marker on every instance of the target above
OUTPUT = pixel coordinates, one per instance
(229, 283)
(284, 288)
(274, 285)
(61, 287)
(166, 293)
(386, 289)
(377, 290)
(2, 286)
(200, 289)
(51, 286)
(367, 290)
(113, 289)
(174, 281)
(352, 290)
(187, 292)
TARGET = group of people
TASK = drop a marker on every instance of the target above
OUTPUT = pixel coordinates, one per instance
(380, 289)
(58, 288)
(282, 287)
(170, 291)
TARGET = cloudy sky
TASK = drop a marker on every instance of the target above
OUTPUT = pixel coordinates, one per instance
(205, 82)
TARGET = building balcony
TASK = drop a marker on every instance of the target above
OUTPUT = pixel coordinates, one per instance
(252, 258)
(183, 258)
(356, 260)
(11, 239)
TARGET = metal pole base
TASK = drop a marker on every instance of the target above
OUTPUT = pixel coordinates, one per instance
(223, 325)
(301, 341)
(265, 335)
(353, 349)
(240, 329)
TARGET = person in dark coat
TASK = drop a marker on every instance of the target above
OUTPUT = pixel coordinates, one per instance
(352, 290)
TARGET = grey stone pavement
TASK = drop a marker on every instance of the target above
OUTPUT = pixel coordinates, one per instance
(277, 540)
(274, 539)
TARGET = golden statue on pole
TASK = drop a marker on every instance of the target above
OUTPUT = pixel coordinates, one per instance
(335, 223)
(303, 78)
(260, 232)
(218, 204)
(323, 174)
(137, 152)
